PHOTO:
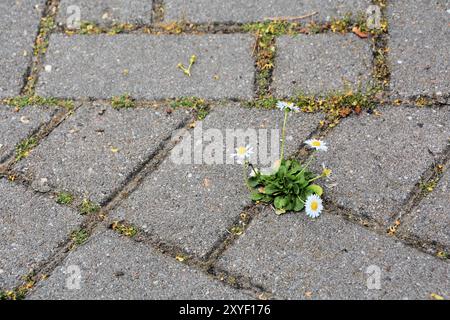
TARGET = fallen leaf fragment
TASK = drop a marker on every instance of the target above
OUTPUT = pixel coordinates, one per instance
(180, 257)
(436, 296)
(359, 33)
(206, 183)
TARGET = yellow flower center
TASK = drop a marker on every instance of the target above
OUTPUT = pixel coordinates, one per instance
(314, 205)
(241, 151)
(316, 143)
(326, 172)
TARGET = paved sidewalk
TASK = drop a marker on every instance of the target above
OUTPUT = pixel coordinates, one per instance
(116, 135)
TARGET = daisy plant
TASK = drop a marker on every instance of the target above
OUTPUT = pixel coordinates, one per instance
(289, 185)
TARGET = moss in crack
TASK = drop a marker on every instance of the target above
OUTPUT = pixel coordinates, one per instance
(427, 186)
(46, 26)
(88, 207)
(263, 103)
(33, 100)
(336, 105)
(24, 147)
(124, 229)
(89, 28)
(20, 292)
(266, 32)
(79, 237)
(421, 101)
(123, 102)
(382, 71)
(443, 255)
(200, 106)
(264, 50)
(65, 198)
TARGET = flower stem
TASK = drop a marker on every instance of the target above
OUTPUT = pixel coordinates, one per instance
(314, 179)
(245, 175)
(307, 164)
(283, 134)
(253, 169)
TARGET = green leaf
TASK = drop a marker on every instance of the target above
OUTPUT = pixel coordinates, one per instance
(253, 182)
(290, 203)
(280, 202)
(302, 182)
(314, 188)
(299, 205)
(256, 196)
(271, 189)
(295, 167)
(282, 171)
(296, 189)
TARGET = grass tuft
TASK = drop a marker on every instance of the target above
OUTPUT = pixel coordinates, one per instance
(23, 148)
(88, 207)
(124, 229)
(65, 198)
(123, 102)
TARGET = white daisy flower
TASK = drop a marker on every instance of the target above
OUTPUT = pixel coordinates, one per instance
(313, 206)
(326, 172)
(282, 105)
(317, 144)
(242, 153)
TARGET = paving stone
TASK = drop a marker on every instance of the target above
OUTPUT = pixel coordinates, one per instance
(107, 12)
(94, 151)
(204, 11)
(321, 63)
(16, 126)
(377, 160)
(31, 228)
(19, 21)
(419, 40)
(115, 267)
(431, 219)
(145, 66)
(194, 202)
(295, 258)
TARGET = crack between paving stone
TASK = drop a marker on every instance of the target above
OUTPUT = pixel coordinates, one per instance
(180, 27)
(9, 158)
(380, 50)
(207, 264)
(40, 44)
(416, 196)
(180, 255)
(58, 117)
(94, 220)
(347, 214)
(432, 102)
